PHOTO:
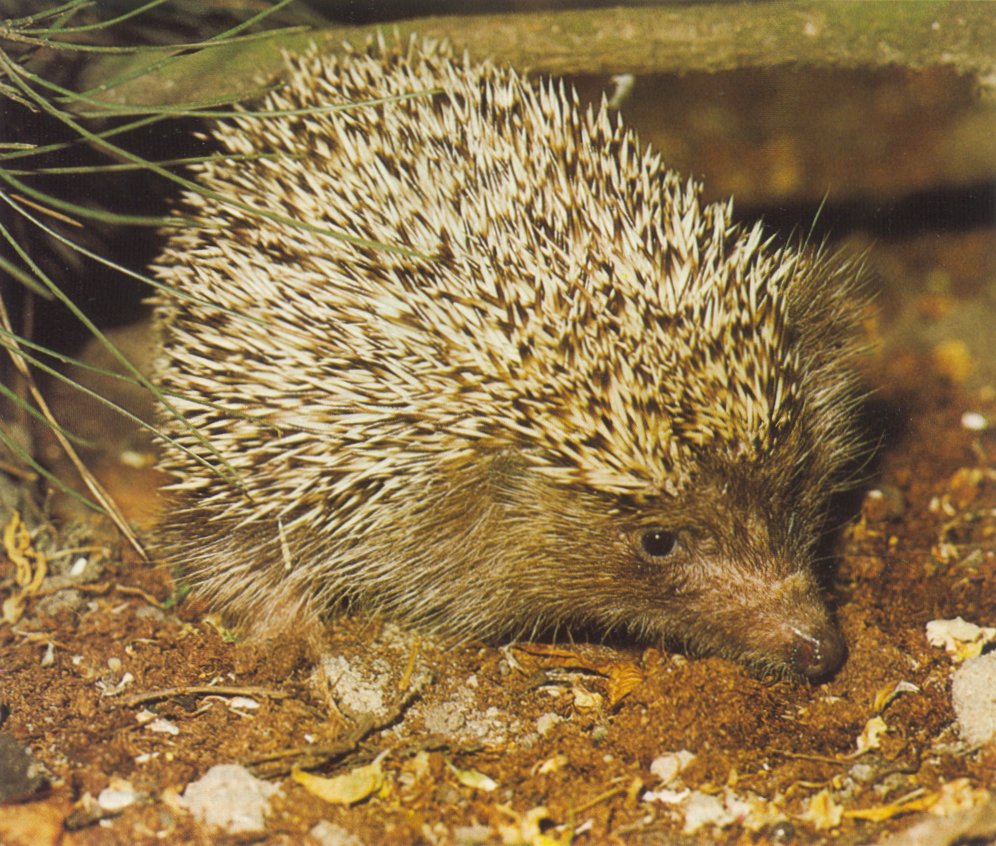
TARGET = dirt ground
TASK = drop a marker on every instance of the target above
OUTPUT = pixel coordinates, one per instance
(125, 692)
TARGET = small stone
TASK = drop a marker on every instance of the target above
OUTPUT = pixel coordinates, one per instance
(229, 797)
(667, 767)
(21, 776)
(702, 810)
(472, 835)
(972, 696)
(547, 721)
(973, 421)
(117, 797)
(325, 833)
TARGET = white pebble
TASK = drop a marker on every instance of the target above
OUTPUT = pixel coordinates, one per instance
(974, 421)
(229, 797)
(667, 767)
(667, 797)
(547, 721)
(161, 726)
(327, 833)
(972, 695)
(701, 810)
(117, 798)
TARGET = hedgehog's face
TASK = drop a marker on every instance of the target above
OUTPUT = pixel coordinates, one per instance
(723, 568)
(728, 586)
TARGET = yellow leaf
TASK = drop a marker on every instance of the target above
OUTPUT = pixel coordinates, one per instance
(551, 765)
(528, 829)
(960, 638)
(13, 608)
(880, 813)
(623, 677)
(474, 778)
(31, 565)
(823, 811)
(869, 738)
(346, 789)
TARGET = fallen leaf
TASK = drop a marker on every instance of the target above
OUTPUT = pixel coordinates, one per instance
(528, 829)
(30, 565)
(951, 798)
(879, 813)
(474, 779)
(585, 700)
(960, 638)
(551, 765)
(347, 788)
(886, 695)
(623, 678)
(823, 811)
(869, 739)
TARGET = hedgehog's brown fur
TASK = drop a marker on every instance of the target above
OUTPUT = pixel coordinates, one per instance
(479, 433)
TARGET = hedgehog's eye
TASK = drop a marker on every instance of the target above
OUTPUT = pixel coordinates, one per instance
(658, 542)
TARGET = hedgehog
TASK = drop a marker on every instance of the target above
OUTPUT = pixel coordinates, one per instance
(448, 347)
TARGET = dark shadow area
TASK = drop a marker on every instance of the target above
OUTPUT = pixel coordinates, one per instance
(357, 12)
(106, 296)
(884, 420)
(950, 209)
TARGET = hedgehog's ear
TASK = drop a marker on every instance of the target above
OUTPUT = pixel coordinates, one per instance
(505, 474)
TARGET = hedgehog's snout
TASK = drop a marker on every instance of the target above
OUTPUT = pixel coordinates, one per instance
(800, 633)
(818, 652)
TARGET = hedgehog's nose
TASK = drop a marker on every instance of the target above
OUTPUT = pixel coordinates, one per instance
(819, 652)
